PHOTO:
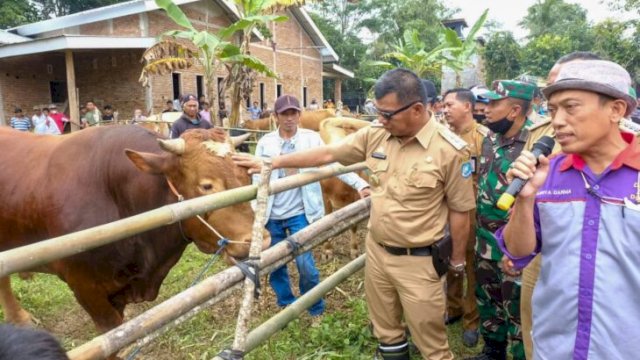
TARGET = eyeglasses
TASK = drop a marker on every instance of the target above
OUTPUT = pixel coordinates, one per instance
(387, 115)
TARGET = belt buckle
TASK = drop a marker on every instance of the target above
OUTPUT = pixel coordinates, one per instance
(408, 251)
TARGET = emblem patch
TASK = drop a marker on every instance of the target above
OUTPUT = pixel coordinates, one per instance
(467, 169)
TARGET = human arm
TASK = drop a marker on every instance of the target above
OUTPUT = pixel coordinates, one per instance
(520, 232)
(459, 225)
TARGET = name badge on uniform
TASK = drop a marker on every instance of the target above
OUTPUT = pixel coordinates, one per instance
(474, 164)
(379, 155)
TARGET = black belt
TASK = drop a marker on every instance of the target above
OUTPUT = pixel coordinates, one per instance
(416, 251)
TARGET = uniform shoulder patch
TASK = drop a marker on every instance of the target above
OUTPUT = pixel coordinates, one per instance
(452, 138)
(546, 122)
(483, 130)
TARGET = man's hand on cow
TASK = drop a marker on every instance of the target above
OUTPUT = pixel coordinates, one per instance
(252, 163)
(365, 193)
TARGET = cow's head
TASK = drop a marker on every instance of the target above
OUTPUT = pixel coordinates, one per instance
(199, 163)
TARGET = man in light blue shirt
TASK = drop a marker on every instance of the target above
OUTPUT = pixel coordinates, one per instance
(255, 111)
(290, 211)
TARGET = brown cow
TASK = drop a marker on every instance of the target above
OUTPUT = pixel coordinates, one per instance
(51, 186)
(336, 193)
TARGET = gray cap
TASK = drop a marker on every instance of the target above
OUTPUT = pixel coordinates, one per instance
(599, 76)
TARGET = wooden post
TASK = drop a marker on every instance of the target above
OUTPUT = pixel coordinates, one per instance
(337, 91)
(244, 315)
(74, 107)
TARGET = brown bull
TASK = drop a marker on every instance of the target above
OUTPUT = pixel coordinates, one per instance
(51, 186)
(337, 194)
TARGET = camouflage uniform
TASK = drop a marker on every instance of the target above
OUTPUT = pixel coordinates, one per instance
(497, 293)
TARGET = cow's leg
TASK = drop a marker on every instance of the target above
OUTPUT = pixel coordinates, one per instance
(13, 312)
(354, 244)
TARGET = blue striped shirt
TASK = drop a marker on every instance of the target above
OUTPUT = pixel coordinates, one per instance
(22, 123)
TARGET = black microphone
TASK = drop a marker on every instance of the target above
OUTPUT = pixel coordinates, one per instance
(544, 146)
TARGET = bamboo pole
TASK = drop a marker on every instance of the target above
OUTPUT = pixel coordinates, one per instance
(244, 315)
(187, 303)
(30, 256)
(265, 330)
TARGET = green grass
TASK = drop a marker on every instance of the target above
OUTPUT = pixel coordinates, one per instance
(343, 332)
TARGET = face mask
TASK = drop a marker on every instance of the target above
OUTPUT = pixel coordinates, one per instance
(480, 118)
(501, 126)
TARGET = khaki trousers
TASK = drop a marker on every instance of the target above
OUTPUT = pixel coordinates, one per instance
(461, 301)
(408, 286)
(529, 279)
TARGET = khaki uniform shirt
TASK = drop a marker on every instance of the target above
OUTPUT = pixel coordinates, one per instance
(473, 136)
(413, 185)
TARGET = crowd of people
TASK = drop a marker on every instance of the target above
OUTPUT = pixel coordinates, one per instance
(552, 278)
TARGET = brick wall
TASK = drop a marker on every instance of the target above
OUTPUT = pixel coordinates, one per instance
(24, 82)
(111, 76)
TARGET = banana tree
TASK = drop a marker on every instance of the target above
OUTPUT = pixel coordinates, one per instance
(412, 53)
(461, 52)
(253, 15)
(182, 49)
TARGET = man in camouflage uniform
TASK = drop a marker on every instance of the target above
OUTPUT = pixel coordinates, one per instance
(498, 287)
(461, 303)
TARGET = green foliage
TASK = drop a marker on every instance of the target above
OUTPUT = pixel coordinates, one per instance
(613, 41)
(56, 8)
(502, 56)
(557, 17)
(17, 12)
(542, 52)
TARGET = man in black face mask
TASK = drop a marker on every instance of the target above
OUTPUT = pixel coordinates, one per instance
(497, 284)
(480, 104)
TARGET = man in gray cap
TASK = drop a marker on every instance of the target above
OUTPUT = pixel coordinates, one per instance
(581, 211)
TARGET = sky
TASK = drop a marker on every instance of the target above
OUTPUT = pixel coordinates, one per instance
(510, 12)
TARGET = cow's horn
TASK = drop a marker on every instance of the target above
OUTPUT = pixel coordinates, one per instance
(238, 140)
(175, 146)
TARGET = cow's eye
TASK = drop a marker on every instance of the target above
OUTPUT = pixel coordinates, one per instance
(206, 187)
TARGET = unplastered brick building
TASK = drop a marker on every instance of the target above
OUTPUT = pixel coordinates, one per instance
(96, 54)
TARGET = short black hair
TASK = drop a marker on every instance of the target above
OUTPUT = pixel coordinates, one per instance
(402, 82)
(578, 55)
(18, 343)
(17, 110)
(524, 104)
(108, 107)
(463, 95)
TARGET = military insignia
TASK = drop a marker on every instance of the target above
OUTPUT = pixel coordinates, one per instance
(499, 89)
(452, 139)
(467, 169)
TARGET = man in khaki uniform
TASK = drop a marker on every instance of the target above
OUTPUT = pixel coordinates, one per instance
(458, 111)
(420, 180)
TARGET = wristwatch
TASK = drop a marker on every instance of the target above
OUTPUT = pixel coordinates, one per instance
(457, 268)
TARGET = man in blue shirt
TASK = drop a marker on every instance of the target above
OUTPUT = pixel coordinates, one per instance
(255, 111)
(290, 211)
(20, 122)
